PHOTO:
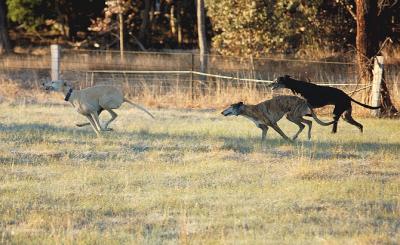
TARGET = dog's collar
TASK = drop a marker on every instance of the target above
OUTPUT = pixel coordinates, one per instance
(68, 94)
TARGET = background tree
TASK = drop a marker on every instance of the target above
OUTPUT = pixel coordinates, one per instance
(5, 45)
(28, 14)
(201, 32)
(68, 18)
(145, 25)
(260, 27)
(151, 24)
(369, 23)
(367, 40)
(117, 14)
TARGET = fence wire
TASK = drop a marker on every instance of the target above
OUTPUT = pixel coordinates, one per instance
(166, 72)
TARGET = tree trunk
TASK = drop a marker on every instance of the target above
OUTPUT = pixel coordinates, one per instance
(178, 23)
(201, 31)
(172, 21)
(121, 35)
(144, 27)
(367, 41)
(5, 45)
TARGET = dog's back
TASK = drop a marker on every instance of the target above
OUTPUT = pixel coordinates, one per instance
(275, 108)
(316, 95)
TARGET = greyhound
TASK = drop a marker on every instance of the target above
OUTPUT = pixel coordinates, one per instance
(269, 112)
(319, 96)
(91, 101)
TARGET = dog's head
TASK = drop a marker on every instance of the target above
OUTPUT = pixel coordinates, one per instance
(279, 82)
(233, 110)
(56, 85)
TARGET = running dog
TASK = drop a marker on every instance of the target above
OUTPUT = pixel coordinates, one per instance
(268, 113)
(319, 96)
(91, 101)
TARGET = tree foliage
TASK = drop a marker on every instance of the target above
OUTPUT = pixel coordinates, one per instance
(168, 23)
(236, 27)
(27, 12)
(66, 18)
(258, 27)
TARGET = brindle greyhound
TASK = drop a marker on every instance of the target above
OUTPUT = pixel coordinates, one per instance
(268, 113)
(91, 101)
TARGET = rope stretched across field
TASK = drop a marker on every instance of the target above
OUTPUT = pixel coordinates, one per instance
(209, 75)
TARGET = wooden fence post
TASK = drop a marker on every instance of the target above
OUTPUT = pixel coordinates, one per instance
(191, 76)
(376, 84)
(55, 61)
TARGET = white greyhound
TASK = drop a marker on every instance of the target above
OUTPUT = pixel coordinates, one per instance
(91, 101)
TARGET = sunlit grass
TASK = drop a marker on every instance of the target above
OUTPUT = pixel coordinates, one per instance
(194, 177)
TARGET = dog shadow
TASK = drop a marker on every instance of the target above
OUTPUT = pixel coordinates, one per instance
(31, 133)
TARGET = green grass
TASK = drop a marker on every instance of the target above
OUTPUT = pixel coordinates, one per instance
(194, 177)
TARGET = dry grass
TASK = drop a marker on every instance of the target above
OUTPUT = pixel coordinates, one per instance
(193, 177)
(14, 93)
(22, 75)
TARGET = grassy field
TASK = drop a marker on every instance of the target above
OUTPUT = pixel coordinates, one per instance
(194, 177)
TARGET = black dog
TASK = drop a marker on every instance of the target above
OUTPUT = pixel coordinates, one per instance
(319, 96)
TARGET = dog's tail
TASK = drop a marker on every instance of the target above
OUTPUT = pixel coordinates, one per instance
(317, 119)
(138, 106)
(364, 105)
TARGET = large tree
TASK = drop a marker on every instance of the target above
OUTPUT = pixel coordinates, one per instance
(370, 18)
(5, 46)
(367, 40)
(201, 31)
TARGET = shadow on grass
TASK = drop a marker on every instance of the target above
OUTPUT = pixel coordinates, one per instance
(196, 142)
(35, 127)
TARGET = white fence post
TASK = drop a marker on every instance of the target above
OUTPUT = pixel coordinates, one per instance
(376, 84)
(55, 61)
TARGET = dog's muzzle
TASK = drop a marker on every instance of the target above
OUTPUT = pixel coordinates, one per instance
(275, 86)
(227, 112)
(48, 88)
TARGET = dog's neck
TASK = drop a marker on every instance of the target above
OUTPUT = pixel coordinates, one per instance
(249, 111)
(68, 92)
(68, 95)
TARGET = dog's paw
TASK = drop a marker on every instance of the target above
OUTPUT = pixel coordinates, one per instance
(81, 124)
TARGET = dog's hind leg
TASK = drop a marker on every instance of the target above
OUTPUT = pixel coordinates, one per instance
(264, 129)
(309, 124)
(337, 112)
(348, 118)
(113, 116)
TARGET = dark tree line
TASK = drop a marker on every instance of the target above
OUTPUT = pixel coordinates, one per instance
(148, 24)
(232, 26)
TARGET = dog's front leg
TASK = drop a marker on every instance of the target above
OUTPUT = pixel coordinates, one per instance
(92, 123)
(277, 129)
(95, 118)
